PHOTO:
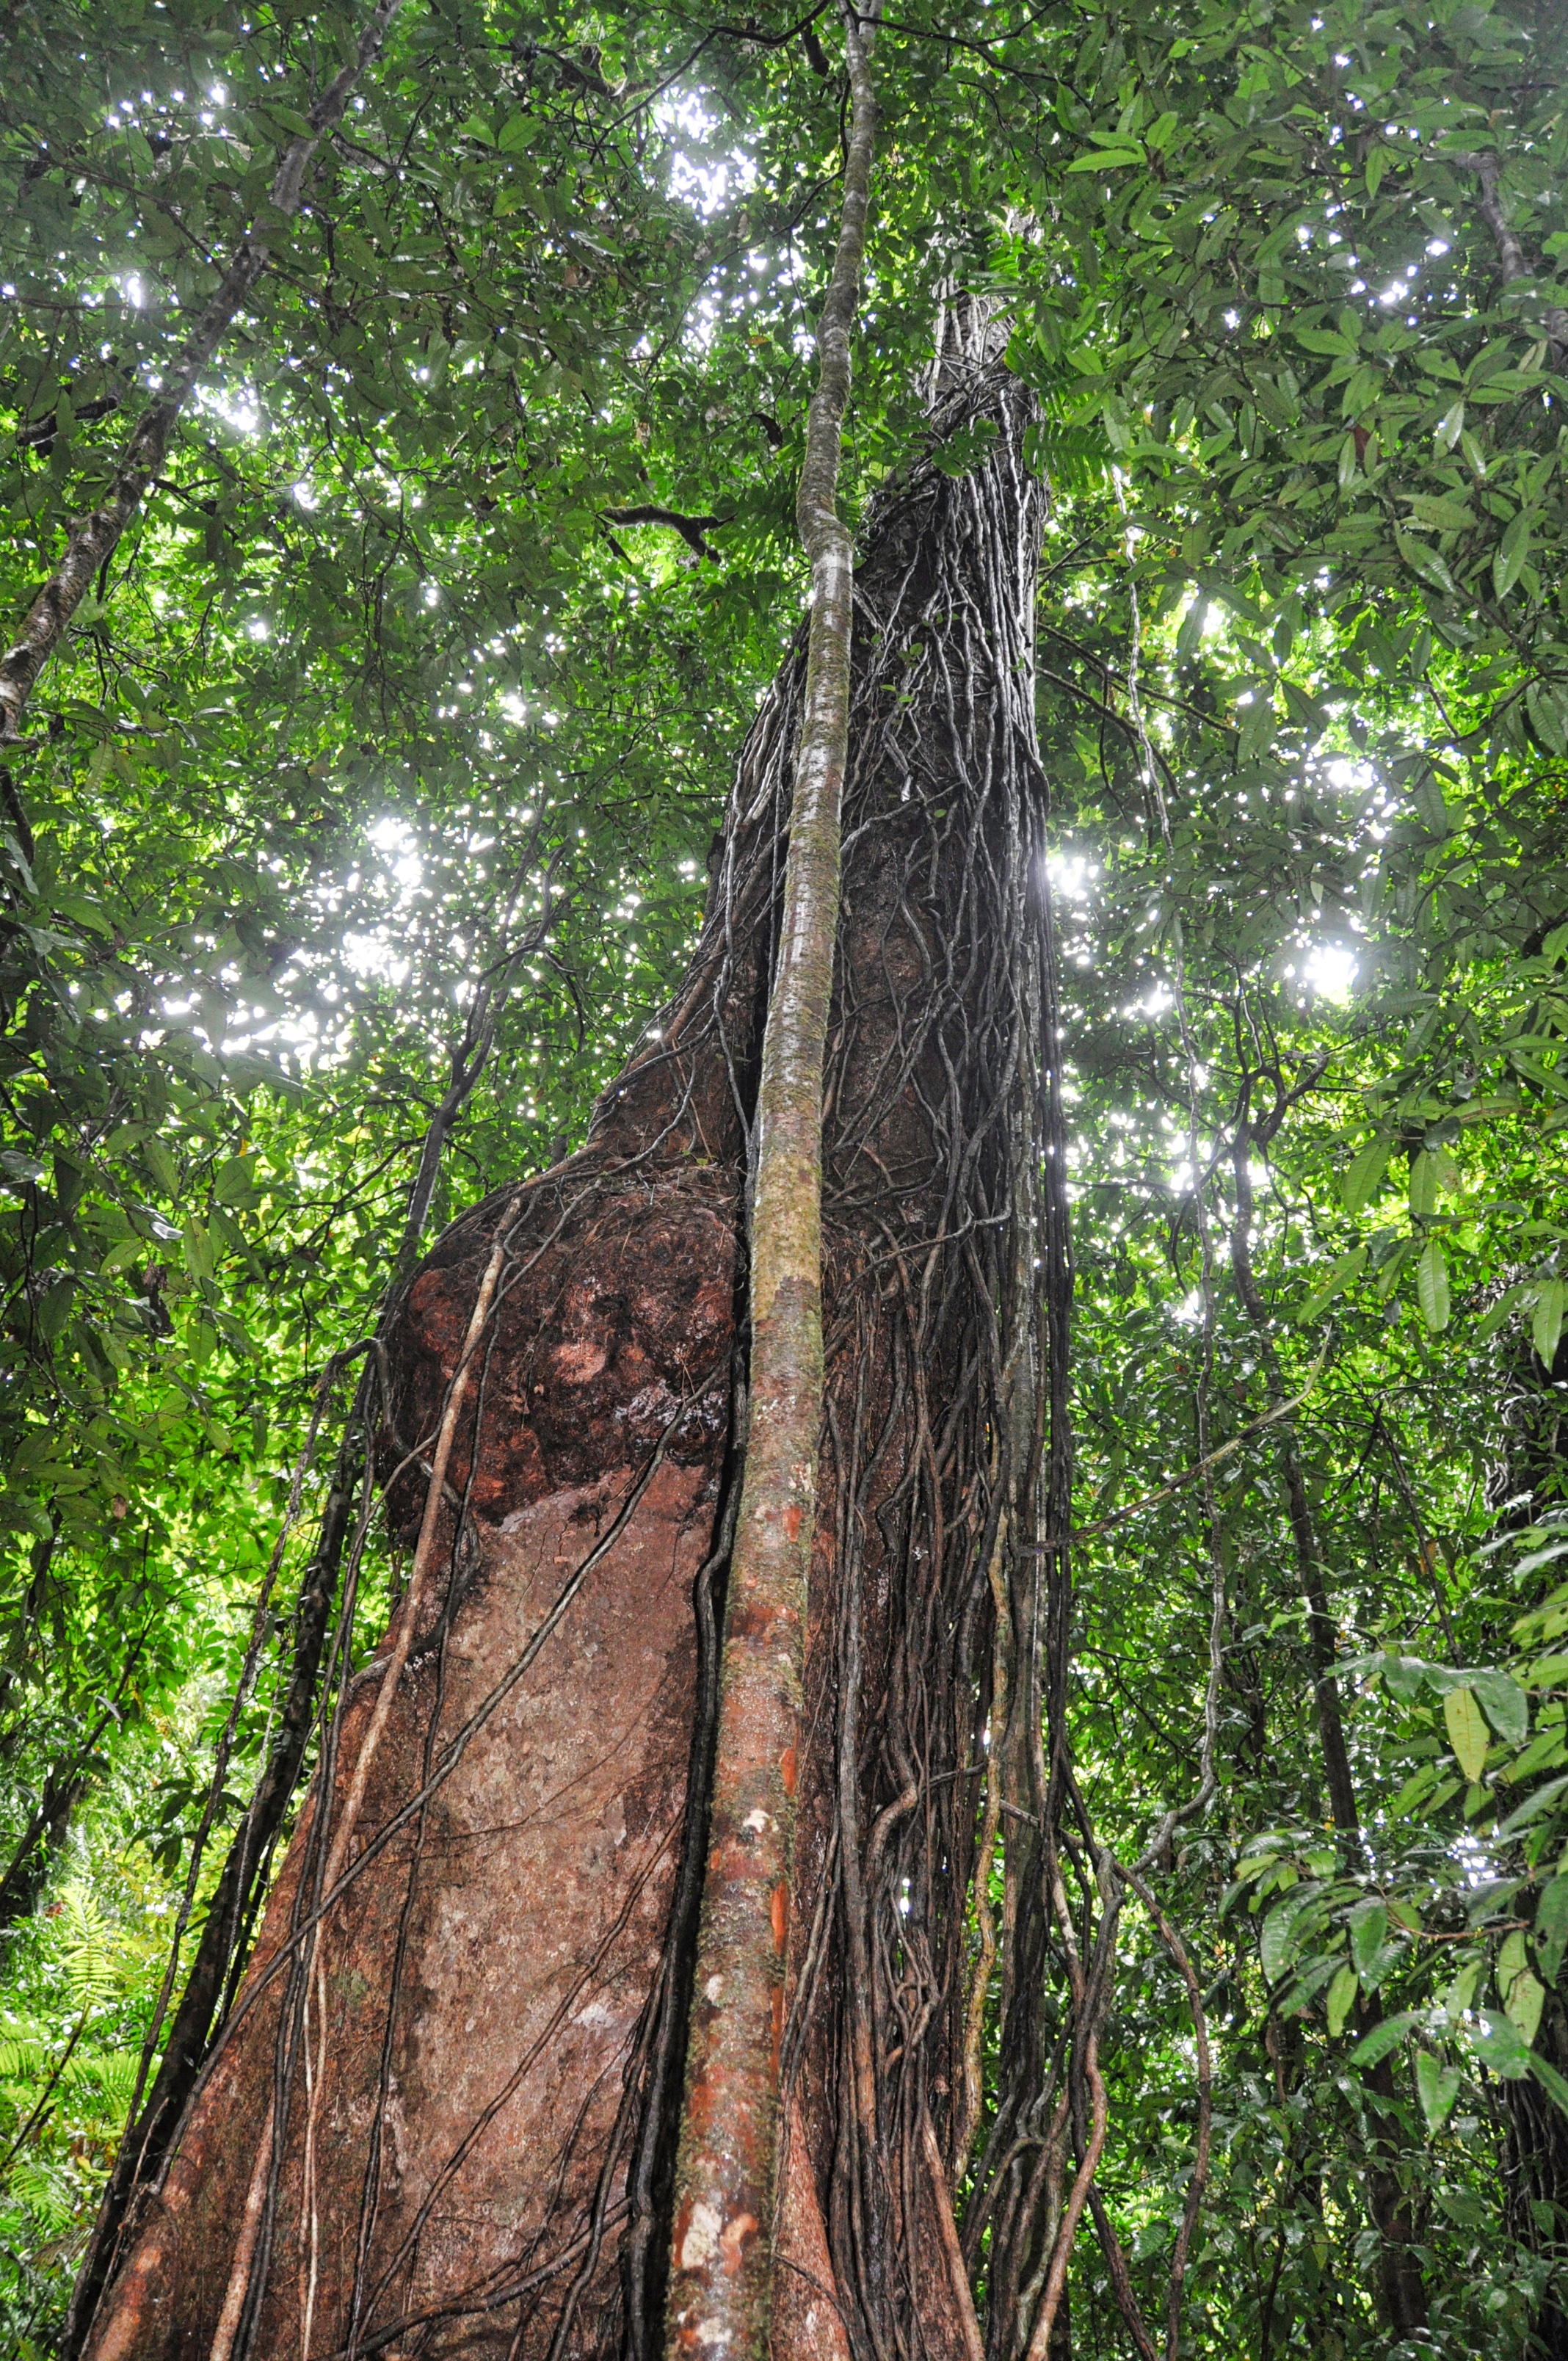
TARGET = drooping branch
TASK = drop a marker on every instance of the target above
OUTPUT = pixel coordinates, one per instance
(721, 2282)
(92, 539)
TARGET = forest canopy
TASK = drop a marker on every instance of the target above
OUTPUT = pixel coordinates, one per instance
(362, 819)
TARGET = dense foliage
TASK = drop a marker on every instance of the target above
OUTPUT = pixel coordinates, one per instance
(422, 666)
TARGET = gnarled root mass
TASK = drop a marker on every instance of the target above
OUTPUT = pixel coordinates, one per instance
(440, 2116)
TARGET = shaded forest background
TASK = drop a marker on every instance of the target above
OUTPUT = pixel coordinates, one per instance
(376, 788)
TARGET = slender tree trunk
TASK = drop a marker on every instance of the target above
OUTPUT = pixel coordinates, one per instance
(720, 2298)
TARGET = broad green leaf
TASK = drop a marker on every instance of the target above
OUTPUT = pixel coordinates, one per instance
(1437, 2086)
(1365, 1176)
(1279, 1929)
(1546, 708)
(199, 1258)
(1551, 1929)
(1534, 1807)
(1413, 1791)
(1467, 1731)
(1457, 1999)
(1431, 1285)
(161, 1165)
(1341, 1999)
(1499, 2044)
(1385, 2037)
(1424, 561)
(1462, 2205)
(1347, 1269)
(1549, 2078)
(1505, 1705)
(1423, 1184)
(1369, 1926)
(1546, 1321)
(1109, 160)
(1523, 2001)
(1512, 552)
(1432, 804)
(1442, 511)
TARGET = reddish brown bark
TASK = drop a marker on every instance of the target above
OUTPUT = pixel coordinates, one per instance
(479, 2157)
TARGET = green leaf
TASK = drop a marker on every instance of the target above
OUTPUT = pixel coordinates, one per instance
(1431, 1285)
(161, 1165)
(966, 450)
(1467, 1731)
(1523, 2001)
(1451, 426)
(199, 1258)
(1550, 2080)
(1427, 797)
(1533, 1808)
(1546, 708)
(1191, 631)
(1512, 552)
(1437, 2086)
(1423, 560)
(1546, 1321)
(1325, 341)
(1385, 2037)
(1369, 1926)
(1551, 1927)
(1278, 1927)
(1347, 1269)
(1499, 2045)
(1423, 1185)
(1456, 2000)
(1505, 1705)
(1413, 1792)
(1342, 1997)
(1364, 1177)
(1443, 512)
(1108, 160)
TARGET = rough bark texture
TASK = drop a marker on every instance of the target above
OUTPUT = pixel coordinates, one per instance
(461, 2069)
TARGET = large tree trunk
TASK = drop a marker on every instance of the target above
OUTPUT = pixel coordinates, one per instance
(441, 2116)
